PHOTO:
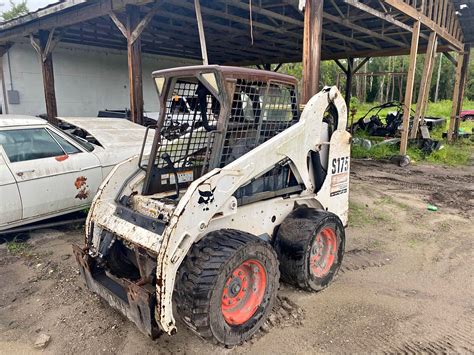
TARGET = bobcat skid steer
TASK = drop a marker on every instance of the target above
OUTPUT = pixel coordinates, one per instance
(238, 189)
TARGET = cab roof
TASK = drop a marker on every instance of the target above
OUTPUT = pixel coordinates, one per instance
(229, 72)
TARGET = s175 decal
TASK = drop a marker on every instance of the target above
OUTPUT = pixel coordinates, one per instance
(340, 165)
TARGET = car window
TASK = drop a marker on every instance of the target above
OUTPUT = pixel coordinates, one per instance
(29, 144)
(67, 147)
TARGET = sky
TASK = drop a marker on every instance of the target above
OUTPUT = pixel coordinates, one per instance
(32, 4)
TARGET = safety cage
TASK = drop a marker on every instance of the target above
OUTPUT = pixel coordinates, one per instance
(209, 117)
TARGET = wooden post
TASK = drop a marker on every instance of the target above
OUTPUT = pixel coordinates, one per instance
(313, 20)
(349, 75)
(44, 50)
(425, 84)
(438, 77)
(464, 71)
(132, 31)
(409, 87)
(134, 56)
(460, 79)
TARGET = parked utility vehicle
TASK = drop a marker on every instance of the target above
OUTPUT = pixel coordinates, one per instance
(210, 217)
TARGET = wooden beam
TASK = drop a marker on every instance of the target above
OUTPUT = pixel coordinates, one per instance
(347, 23)
(360, 65)
(350, 71)
(202, 36)
(425, 85)
(134, 56)
(409, 87)
(443, 32)
(384, 16)
(90, 10)
(350, 39)
(451, 58)
(340, 65)
(313, 20)
(459, 81)
(462, 86)
(46, 60)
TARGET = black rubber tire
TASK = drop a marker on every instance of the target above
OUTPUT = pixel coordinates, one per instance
(293, 244)
(203, 274)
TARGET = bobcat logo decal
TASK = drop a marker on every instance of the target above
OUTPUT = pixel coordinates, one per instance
(206, 197)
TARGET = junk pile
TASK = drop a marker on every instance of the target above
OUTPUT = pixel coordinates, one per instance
(374, 126)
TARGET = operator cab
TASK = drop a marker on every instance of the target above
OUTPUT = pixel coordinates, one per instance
(211, 116)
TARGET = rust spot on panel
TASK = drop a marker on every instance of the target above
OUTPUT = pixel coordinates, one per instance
(62, 157)
(81, 185)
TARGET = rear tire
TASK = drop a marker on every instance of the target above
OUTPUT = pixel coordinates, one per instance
(227, 286)
(310, 248)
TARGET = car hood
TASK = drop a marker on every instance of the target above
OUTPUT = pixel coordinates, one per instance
(112, 132)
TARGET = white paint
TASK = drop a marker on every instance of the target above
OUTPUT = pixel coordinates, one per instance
(87, 79)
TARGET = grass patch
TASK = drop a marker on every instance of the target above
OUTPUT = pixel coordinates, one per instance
(16, 247)
(360, 215)
(388, 200)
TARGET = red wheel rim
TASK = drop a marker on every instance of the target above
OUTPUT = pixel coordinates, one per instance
(323, 252)
(243, 292)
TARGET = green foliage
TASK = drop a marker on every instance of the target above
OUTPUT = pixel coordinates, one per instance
(453, 154)
(17, 10)
(16, 247)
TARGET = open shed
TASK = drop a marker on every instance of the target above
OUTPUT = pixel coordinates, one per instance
(250, 32)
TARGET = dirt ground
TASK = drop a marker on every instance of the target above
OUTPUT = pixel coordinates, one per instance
(406, 284)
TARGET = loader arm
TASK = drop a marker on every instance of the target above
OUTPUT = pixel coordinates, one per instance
(194, 215)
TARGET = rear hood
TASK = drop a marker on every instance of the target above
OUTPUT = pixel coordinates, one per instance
(112, 132)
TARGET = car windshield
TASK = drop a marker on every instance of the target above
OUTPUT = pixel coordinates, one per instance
(82, 142)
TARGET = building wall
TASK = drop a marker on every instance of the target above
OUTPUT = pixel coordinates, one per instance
(87, 79)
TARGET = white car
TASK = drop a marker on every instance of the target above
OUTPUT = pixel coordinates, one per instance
(46, 171)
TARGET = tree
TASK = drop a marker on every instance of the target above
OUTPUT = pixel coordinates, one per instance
(17, 9)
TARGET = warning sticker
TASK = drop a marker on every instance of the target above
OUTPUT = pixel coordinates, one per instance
(183, 176)
(339, 184)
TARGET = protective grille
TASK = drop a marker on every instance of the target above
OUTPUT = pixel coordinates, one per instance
(260, 111)
(186, 133)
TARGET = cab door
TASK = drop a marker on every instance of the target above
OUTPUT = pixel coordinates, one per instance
(10, 202)
(54, 176)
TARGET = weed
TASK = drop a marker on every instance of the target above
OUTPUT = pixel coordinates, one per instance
(16, 247)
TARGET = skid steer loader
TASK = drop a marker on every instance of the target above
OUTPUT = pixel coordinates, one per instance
(238, 189)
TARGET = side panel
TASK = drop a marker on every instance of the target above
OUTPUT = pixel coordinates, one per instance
(10, 202)
(51, 185)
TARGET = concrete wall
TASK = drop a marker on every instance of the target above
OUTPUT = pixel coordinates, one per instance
(87, 79)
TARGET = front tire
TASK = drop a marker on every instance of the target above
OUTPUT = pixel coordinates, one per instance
(227, 286)
(310, 248)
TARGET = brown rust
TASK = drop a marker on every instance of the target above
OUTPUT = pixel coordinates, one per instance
(81, 185)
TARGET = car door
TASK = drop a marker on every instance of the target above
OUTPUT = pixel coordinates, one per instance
(54, 175)
(10, 202)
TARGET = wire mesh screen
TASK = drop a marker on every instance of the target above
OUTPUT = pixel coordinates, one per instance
(191, 114)
(260, 111)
